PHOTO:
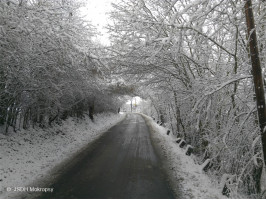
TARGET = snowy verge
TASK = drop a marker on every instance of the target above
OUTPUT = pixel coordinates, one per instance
(182, 171)
(30, 155)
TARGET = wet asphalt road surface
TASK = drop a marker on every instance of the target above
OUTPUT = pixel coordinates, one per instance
(122, 164)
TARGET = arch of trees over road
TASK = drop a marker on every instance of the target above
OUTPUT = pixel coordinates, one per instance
(190, 59)
(49, 66)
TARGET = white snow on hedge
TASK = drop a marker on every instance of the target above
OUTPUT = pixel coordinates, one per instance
(28, 155)
(183, 171)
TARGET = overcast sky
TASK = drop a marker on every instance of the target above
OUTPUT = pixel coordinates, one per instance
(95, 11)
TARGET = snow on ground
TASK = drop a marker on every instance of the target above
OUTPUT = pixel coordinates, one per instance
(30, 154)
(184, 173)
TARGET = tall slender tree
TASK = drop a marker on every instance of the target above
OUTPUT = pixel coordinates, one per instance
(256, 72)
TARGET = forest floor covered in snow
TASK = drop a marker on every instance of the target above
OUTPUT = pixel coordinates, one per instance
(186, 176)
(30, 155)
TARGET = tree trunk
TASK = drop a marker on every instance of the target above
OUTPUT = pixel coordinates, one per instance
(256, 71)
(178, 117)
(91, 111)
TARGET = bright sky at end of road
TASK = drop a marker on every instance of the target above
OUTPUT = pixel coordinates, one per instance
(136, 100)
(96, 12)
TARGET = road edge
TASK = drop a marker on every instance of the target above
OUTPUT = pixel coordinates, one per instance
(175, 187)
(55, 172)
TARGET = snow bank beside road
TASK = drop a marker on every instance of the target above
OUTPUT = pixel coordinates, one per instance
(182, 170)
(28, 155)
